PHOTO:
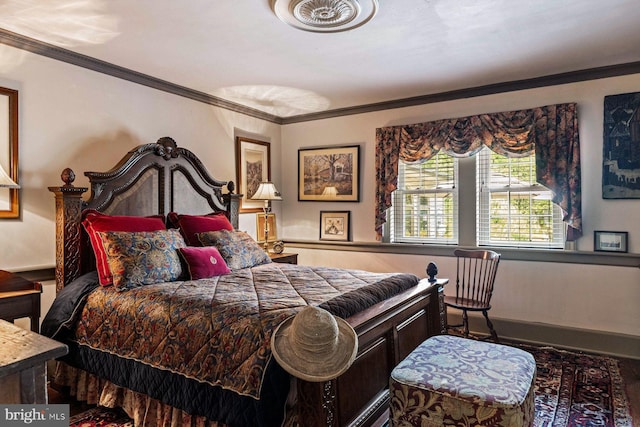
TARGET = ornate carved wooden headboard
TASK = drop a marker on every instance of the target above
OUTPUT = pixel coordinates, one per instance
(151, 179)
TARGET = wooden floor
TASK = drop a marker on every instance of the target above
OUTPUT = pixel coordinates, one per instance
(629, 369)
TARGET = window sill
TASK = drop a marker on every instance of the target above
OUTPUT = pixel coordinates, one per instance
(512, 254)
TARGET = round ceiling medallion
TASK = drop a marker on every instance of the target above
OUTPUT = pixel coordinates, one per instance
(325, 16)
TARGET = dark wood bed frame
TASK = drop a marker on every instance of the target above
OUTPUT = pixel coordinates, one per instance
(161, 177)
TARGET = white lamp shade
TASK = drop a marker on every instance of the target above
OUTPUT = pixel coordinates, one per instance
(266, 191)
(6, 181)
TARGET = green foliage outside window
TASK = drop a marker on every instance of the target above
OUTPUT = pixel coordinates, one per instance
(520, 209)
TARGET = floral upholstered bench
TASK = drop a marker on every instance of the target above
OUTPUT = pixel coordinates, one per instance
(449, 380)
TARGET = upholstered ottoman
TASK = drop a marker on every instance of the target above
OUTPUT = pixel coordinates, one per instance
(449, 380)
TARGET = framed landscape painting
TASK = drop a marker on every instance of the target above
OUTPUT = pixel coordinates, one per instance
(329, 174)
(253, 166)
(610, 241)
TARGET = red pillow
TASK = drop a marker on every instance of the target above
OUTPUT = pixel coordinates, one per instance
(95, 222)
(203, 262)
(191, 225)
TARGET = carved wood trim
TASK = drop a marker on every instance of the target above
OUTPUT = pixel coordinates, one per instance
(68, 211)
(317, 404)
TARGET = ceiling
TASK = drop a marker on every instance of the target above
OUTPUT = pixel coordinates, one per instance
(240, 51)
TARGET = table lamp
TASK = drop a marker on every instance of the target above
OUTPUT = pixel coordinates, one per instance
(267, 192)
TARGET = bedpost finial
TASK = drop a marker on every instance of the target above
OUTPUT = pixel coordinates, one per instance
(432, 270)
(231, 186)
(68, 176)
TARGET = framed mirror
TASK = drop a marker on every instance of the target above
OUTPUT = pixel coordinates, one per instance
(9, 189)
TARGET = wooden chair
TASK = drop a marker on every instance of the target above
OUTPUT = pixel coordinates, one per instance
(476, 273)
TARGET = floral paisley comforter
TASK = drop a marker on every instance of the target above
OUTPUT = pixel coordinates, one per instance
(204, 345)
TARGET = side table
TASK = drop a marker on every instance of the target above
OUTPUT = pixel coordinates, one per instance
(23, 364)
(284, 258)
(19, 298)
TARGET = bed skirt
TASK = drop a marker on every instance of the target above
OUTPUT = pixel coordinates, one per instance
(143, 410)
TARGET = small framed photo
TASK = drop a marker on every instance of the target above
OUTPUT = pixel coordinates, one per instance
(335, 225)
(329, 174)
(253, 166)
(610, 241)
(272, 236)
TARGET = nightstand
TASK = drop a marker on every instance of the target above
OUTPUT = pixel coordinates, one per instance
(19, 298)
(284, 258)
(23, 364)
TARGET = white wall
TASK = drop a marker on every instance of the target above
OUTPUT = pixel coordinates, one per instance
(570, 295)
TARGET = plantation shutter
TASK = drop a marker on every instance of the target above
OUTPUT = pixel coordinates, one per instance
(426, 202)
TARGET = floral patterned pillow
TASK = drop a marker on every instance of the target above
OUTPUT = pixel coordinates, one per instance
(143, 258)
(95, 222)
(237, 248)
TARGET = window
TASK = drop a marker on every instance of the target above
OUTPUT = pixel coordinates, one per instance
(425, 205)
(512, 209)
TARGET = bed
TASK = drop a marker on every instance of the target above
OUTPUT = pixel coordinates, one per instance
(171, 374)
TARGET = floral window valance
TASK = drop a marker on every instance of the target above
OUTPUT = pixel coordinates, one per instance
(551, 130)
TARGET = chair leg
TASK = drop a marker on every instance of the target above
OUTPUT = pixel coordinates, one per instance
(465, 324)
(494, 335)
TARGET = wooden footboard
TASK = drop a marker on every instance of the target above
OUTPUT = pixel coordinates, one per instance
(387, 333)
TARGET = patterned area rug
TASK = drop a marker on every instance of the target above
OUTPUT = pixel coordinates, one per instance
(572, 390)
(101, 417)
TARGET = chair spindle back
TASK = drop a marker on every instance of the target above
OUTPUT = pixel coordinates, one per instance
(476, 273)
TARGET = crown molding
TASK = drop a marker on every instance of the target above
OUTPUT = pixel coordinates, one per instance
(511, 86)
(70, 57)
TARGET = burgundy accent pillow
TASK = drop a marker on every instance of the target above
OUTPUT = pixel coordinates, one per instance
(191, 225)
(203, 262)
(95, 222)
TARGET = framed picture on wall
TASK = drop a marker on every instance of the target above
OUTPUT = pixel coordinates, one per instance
(329, 174)
(610, 241)
(253, 166)
(335, 225)
(621, 145)
(9, 188)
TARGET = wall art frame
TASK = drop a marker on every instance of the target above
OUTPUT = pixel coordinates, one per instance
(621, 147)
(9, 152)
(335, 225)
(329, 174)
(253, 166)
(610, 241)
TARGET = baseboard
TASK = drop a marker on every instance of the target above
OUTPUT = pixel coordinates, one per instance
(619, 345)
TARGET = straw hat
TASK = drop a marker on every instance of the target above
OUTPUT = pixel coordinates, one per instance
(314, 345)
